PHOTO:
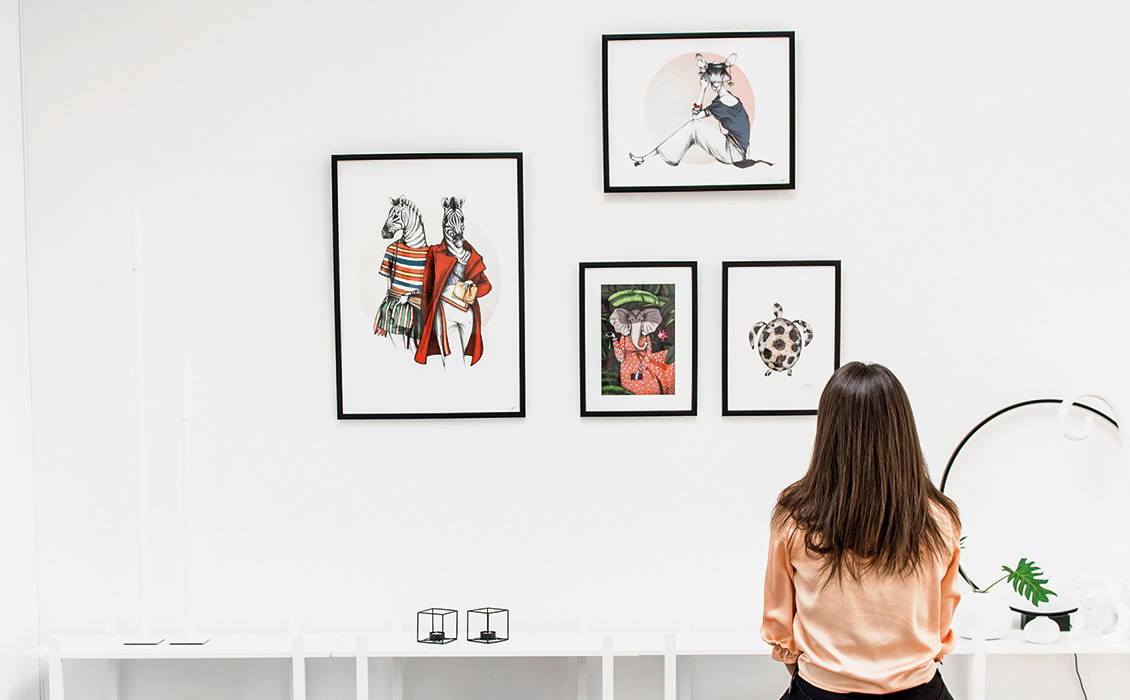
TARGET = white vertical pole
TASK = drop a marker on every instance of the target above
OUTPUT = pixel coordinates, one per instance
(362, 667)
(142, 475)
(186, 499)
(297, 668)
(670, 659)
(607, 670)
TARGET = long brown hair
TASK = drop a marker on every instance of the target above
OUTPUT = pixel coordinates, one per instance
(867, 504)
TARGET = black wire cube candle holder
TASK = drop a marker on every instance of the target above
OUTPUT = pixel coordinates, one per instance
(488, 632)
(432, 626)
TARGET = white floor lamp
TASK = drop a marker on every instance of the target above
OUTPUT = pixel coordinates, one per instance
(188, 636)
(143, 636)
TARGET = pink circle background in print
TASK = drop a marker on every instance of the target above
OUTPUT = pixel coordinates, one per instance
(672, 93)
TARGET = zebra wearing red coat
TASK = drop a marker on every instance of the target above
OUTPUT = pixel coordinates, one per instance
(454, 279)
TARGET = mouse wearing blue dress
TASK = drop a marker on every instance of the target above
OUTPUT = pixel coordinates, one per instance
(725, 135)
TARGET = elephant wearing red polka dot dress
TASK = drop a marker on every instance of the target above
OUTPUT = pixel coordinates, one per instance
(642, 371)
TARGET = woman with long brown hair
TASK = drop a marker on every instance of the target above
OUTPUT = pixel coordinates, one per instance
(863, 553)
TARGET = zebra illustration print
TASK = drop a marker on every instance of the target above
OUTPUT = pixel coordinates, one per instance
(427, 252)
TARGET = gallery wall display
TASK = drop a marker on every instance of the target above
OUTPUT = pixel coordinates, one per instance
(707, 111)
(428, 285)
(780, 335)
(639, 338)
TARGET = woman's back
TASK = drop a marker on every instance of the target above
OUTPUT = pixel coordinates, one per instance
(879, 634)
(863, 555)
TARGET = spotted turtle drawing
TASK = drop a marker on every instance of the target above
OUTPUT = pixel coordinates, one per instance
(779, 341)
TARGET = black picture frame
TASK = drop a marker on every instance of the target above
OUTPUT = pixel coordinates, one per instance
(517, 157)
(790, 185)
(583, 268)
(729, 265)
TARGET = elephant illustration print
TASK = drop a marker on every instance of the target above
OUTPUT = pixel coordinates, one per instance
(638, 344)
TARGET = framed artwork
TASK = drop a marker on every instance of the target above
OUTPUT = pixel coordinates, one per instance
(699, 112)
(780, 335)
(428, 285)
(639, 338)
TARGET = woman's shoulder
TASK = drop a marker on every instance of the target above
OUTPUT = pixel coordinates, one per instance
(783, 527)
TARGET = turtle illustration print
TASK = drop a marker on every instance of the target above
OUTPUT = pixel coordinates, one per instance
(779, 341)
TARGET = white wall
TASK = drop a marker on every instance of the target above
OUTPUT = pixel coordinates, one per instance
(18, 602)
(967, 161)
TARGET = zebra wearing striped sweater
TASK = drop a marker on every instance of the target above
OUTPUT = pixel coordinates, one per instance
(403, 265)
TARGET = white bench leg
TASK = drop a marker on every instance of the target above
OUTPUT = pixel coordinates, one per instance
(362, 667)
(685, 678)
(978, 670)
(297, 668)
(607, 670)
(582, 678)
(54, 670)
(670, 672)
(113, 680)
(398, 679)
(978, 676)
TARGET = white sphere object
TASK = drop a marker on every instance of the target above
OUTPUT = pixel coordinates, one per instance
(1041, 630)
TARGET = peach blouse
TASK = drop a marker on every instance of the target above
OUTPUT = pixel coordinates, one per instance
(880, 636)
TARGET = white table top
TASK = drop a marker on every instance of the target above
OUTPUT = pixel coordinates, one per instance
(1069, 643)
(403, 645)
(731, 643)
(219, 646)
(749, 643)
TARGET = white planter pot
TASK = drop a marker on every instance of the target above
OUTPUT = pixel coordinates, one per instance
(984, 615)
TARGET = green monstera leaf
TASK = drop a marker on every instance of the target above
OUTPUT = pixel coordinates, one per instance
(1026, 580)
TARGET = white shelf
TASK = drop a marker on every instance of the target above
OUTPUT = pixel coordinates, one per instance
(724, 643)
(219, 646)
(403, 646)
(749, 643)
(605, 647)
(1014, 643)
(390, 645)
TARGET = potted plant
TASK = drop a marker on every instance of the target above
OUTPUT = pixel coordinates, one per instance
(984, 614)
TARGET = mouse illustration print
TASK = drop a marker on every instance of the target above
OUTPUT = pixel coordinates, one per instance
(725, 137)
(710, 111)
